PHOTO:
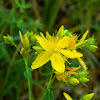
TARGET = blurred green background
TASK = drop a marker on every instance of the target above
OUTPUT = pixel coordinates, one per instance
(41, 16)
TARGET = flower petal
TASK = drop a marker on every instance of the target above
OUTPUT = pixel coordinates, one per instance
(42, 41)
(58, 62)
(63, 42)
(71, 54)
(67, 96)
(41, 59)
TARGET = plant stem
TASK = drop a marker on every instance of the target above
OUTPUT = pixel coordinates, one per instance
(49, 85)
(29, 88)
(50, 81)
(29, 84)
(16, 47)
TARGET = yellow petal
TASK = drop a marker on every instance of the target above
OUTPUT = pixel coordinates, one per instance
(63, 42)
(42, 41)
(67, 96)
(82, 39)
(58, 62)
(41, 59)
(71, 54)
(48, 36)
(82, 63)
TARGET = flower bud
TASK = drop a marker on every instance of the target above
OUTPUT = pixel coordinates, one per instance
(8, 39)
(31, 37)
(21, 37)
(61, 31)
(25, 41)
(92, 47)
(88, 96)
(83, 80)
(74, 81)
(67, 96)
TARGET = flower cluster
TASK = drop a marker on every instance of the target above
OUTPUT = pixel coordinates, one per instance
(58, 49)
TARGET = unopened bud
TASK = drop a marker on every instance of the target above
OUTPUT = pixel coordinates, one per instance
(25, 41)
(21, 37)
(88, 96)
(61, 31)
(74, 81)
(83, 80)
(67, 96)
(92, 47)
(31, 37)
(8, 39)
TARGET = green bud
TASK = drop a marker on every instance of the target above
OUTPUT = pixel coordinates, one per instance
(87, 96)
(25, 41)
(31, 37)
(37, 48)
(61, 31)
(92, 47)
(29, 34)
(8, 39)
(83, 73)
(90, 44)
(74, 81)
(83, 80)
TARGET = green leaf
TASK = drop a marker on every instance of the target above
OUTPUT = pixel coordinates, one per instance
(28, 74)
(49, 95)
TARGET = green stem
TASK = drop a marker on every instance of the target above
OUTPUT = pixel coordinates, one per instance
(16, 47)
(50, 83)
(29, 84)
(29, 87)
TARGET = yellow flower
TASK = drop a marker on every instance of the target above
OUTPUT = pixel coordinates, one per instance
(55, 48)
(67, 96)
(72, 41)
